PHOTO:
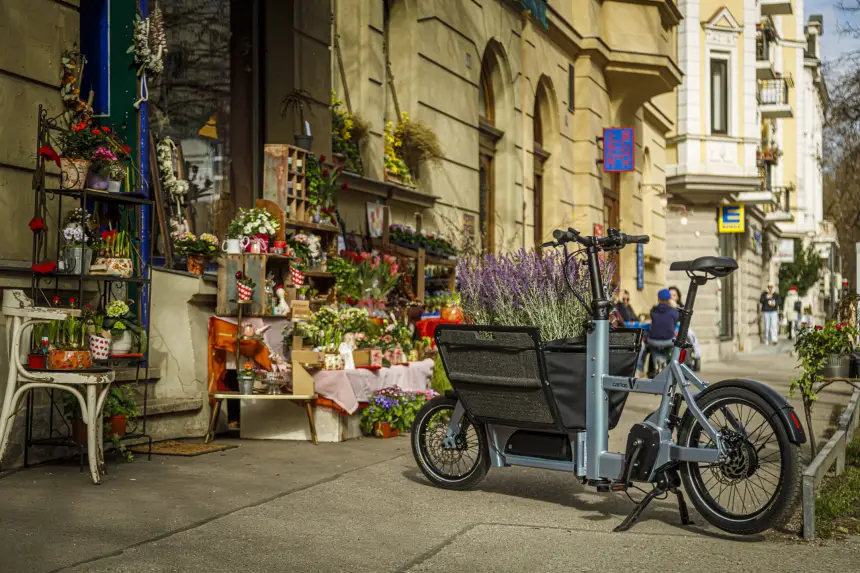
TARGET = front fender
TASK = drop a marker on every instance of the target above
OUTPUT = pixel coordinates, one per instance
(784, 410)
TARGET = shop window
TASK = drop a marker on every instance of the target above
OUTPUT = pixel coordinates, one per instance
(194, 102)
(719, 96)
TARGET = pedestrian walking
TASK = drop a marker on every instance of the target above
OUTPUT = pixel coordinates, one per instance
(770, 311)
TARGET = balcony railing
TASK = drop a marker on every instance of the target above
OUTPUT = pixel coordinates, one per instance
(780, 209)
(773, 98)
(762, 46)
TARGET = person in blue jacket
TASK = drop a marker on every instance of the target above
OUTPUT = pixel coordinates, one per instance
(664, 317)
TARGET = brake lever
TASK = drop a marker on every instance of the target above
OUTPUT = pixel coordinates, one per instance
(549, 244)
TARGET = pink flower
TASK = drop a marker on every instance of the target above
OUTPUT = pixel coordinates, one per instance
(388, 259)
(394, 269)
(366, 256)
(838, 327)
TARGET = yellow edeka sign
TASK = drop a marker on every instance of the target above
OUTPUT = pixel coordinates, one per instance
(731, 218)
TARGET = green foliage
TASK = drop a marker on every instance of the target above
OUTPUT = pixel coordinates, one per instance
(813, 346)
(120, 402)
(440, 381)
(803, 273)
(837, 507)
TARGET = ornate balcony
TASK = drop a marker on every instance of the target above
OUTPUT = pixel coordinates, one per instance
(779, 211)
(773, 98)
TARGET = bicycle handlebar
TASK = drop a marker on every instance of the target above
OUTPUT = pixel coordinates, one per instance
(615, 240)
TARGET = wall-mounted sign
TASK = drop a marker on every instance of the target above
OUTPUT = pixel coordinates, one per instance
(730, 218)
(618, 149)
(598, 230)
(784, 251)
(755, 241)
(640, 267)
(469, 224)
(375, 217)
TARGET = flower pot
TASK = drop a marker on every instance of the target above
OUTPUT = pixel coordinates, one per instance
(246, 385)
(122, 344)
(383, 430)
(99, 347)
(304, 141)
(195, 264)
(118, 425)
(115, 186)
(244, 292)
(36, 361)
(297, 276)
(79, 431)
(76, 260)
(333, 362)
(97, 181)
(117, 267)
(73, 172)
(837, 366)
(70, 359)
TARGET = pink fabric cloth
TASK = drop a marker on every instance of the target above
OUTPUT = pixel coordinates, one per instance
(347, 388)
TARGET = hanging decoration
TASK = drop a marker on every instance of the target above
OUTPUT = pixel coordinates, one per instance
(77, 110)
(165, 151)
(149, 48)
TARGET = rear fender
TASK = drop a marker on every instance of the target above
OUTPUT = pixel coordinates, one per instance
(785, 411)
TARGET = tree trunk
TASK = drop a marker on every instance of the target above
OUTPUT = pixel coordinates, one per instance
(807, 409)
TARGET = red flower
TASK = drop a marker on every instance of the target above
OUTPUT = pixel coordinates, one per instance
(36, 224)
(322, 158)
(126, 148)
(107, 235)
(238, 274)
(345, 187)
(72, 301)
(106, 129)
(819, 327)
(844, 324)
(55, 300)
(97, 131)
(838, 327)
(80, 126)
(46, 152)
(325, 173)
(340, 169)
(44, 268)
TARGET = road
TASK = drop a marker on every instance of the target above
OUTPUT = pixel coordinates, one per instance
(363, 506)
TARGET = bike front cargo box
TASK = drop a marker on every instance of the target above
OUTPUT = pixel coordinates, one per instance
(565, 362)
(498, 373)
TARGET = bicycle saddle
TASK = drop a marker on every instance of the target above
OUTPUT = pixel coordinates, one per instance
(716, 266)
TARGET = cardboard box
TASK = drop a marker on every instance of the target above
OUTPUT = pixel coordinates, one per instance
(308, 357)
(367, 357)
(298, 343)
(303, 382)
(301, 309)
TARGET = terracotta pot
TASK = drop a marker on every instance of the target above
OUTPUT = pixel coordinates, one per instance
(70, 359)
(36, 361)
(195, 264)
(79, 431)
(383, 430)
(73, 172)
(118, 425)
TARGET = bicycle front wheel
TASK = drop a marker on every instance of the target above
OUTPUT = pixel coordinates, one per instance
(758, 486)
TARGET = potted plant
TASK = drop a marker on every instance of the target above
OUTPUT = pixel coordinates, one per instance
(348, 131)
(197, 250)
(72, 412)
(118, 172)
(119, 408)
(99, 343)
(37, 358)
(78, 237)
(123, 326)
(98, 177)
(115, 253)
(246, 377)
(408, 145)
(69, 351)
(824, 351)
(298, 102)
(258, 225)
(76, 149)
(322, 190)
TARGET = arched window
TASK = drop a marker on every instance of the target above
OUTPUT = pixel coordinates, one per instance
(485, 103)
(489, 136)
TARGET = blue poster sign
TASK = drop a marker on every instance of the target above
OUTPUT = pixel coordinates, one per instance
(640, 267)
(618, 149)
(538, 10)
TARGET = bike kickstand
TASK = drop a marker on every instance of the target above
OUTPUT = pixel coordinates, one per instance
(682, 507)
(637, 511)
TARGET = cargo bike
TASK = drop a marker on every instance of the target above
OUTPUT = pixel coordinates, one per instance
(520, 401)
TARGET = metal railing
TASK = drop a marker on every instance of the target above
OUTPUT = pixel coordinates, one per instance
(832, 454)
(783, 200)
(773, 92)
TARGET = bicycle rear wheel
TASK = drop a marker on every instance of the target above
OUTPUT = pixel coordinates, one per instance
(758, 486)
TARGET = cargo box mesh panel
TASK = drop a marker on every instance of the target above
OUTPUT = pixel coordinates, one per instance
(497, 374)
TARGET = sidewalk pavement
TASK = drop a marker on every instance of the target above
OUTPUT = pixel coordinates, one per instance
(364, 506)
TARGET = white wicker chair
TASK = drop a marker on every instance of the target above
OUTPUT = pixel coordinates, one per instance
(21, 313)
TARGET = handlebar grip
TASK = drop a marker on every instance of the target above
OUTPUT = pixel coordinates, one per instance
(549, 244)
(557, 234)
(638, 239)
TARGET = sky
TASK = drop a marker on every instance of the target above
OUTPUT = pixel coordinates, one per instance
(834, 44)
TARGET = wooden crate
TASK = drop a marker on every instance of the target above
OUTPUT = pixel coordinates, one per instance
(228, 266)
